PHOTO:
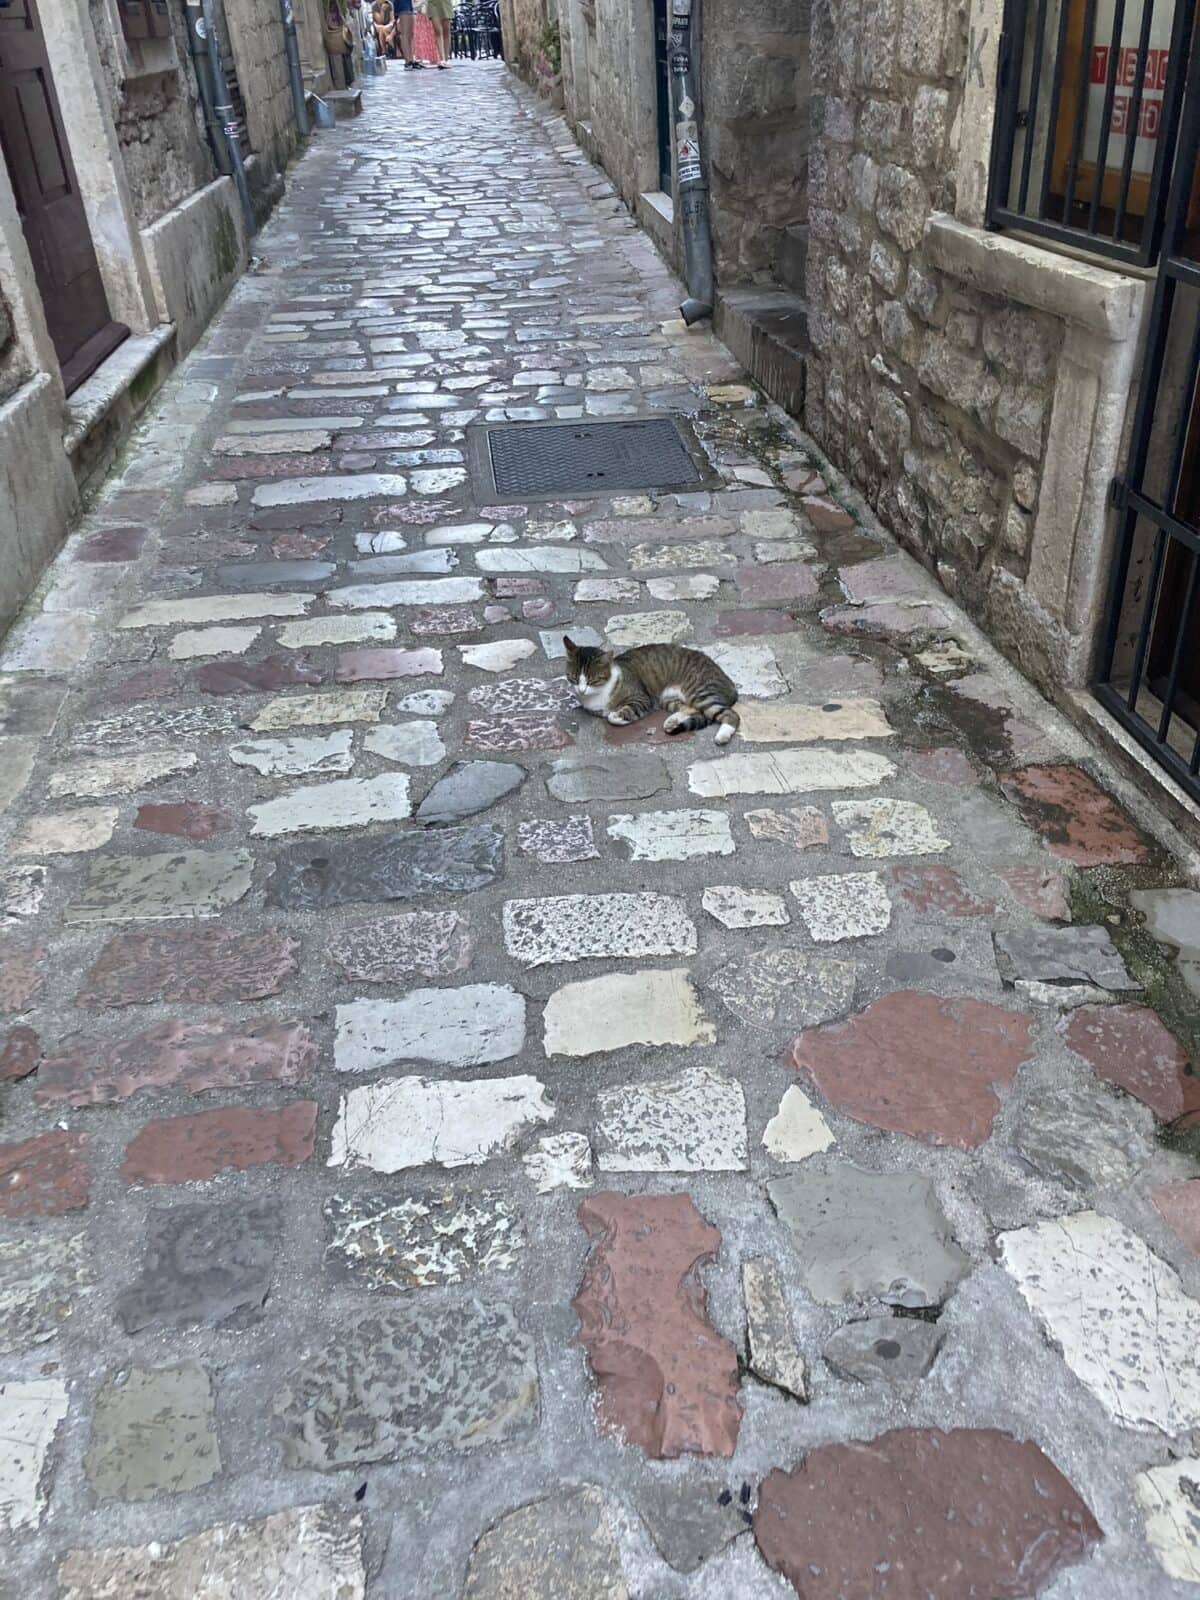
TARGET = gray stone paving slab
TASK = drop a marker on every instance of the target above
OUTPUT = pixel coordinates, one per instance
(468, 788)
(578, 927)
(463, 1027)
(205, 1264)
(560, 1548)
(43, 1281)
(162, 885)
(332, 872)
(884, 1349)
(633, 775)
(152, 1433)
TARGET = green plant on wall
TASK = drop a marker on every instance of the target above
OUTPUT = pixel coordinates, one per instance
(550, 45)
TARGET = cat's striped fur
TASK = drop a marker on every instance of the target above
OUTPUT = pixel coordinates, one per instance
(623, 688)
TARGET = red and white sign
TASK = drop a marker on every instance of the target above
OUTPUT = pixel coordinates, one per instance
(1154, 81)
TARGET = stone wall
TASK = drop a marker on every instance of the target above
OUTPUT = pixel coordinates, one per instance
(256, 35)
(13, 367)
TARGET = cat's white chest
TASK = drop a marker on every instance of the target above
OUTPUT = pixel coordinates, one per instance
(597, 698)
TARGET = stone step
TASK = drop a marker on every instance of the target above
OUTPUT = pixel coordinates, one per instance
(766, 328)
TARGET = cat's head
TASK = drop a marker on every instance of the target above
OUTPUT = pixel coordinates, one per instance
(587, 667)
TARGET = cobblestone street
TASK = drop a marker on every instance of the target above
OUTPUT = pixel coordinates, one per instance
(454, 1147)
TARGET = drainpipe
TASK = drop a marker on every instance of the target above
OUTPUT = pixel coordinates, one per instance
(292, 50)
(223, 110)
(690, 184)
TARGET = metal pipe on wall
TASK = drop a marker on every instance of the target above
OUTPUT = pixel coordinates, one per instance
(295, 76)
(691, 186)
(223, 111)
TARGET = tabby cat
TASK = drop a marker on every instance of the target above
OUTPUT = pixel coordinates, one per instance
(623, 688)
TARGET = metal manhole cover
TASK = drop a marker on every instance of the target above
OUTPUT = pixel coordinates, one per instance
(530, 459)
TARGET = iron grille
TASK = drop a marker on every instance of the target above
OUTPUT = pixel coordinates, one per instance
(1149, 669)
(545, 460)
(1086, 122)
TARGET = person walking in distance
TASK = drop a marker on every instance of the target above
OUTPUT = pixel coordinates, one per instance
(404, 34)
(441, 14)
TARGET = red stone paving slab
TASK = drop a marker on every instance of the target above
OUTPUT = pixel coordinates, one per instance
(354, 461)
(805, 480)
(518, 730)
(137, 505)
(919, 1064)
(944, 765)
(1077, 821)
(21, 976)
(648, 731)
(1129, 1046)
(176, 1055)
(151, 683)
(779, 580)
(20, 1052)
(111, 544)
(731, 624)
(540, 609)
(247, 677)
(665, 1379)
(918, 1514)
(940, 890)
(654, 530)
(1178, 1204)
(825, 514)
(445, 619)
(189, 819)
(200, 965)
(358, 666)
(297, 546)
(44, 1176)
(190, 1149)
(414, 512)
(515, 588)
(229, 469)
(508, 513)
(1039, 889)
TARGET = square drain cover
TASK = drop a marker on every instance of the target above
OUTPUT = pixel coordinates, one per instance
(544, 460)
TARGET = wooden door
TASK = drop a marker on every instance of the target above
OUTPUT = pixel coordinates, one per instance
(52, 212)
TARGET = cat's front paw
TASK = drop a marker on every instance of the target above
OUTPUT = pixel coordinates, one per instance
(619, 719)
(676, 722)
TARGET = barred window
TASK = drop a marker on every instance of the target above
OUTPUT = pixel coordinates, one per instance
(144, 19)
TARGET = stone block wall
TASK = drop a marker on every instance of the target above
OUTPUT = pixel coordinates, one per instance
(256, 36)
(13, 368)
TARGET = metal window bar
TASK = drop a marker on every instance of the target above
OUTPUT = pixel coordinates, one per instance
(1036, 52)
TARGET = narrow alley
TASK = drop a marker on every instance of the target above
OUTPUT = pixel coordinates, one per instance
(455, 1147)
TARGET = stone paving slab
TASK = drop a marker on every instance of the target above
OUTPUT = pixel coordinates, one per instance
(549, 1150)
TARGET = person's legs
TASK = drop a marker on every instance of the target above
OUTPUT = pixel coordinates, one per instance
(442, 29)
(404, 27)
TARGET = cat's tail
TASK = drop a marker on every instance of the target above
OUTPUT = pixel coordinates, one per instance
(728, 722)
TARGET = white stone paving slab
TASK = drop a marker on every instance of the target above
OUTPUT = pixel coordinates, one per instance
(497, 655)
(616, 591)
(193, 642)
(292, 758)
(688, 586)
(848, 905)
(552, 640)
(320, 710)
(118, 774)
(695, 1122)
(881, 828)
(735, 907)
(452, 533)
(580, 927)
(464, 1027)
(1170, 1498)
(559, 1161)
(797, 1130)
(66, 833)
(343, 803)
(673, 835)
(787, 772)
(29, 1417)
(623, 1009)
(438, 480)
(355, 486)
(426, 703)
(337, 630)
(543, 558)
(415, 1122)
(412, 744)
(407, 592)
(647, 627)
(1118, 1313)
(752, 665)
(199, 609)
(784, 723)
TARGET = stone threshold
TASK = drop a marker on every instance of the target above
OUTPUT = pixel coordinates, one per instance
(766, 329)
(1137, 765)
(655, 211)
(102, 411)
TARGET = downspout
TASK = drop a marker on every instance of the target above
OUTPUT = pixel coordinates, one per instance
(292, 50)
(690, 183)
(223, 110)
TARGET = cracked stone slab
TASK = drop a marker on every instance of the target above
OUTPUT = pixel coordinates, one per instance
(414, 1122)
(897, 1350)
(1169, 1497)
(751, 664)
(917, 1512)
(666, 1380)
(787, 772)
(67, 833)
(340, 803)
(386, 1243)
(204, 1265)
(878, 828)
(774, 1355)
(42, 1279)
(468, 788)
(1118, 1313)
(153, 1432)
(195, 965)
(409, 1380)
(557, 843)
(320, 710)
(117, 774)
(694, 1122)
(196, 610)
(559, 1161)
(1076, 819)
(800, 827)
(29, 1417)
(196, 1147)
(581, 927)
(735, 907)
(797, 1130)
(785, 986)
(322, 873)
(435, 944)
(851, 905)
(192, 1056)
(869, 1235)
(633, 775)
(464, 1027)
(161, 886)
(543, 558)
(45, 1175)
(784, 723)
(1085, 1140)
(1129, 1046)
(673, 835)
(919, 1064)
(624, 1009)
(1073, 955)
(559, 1548)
